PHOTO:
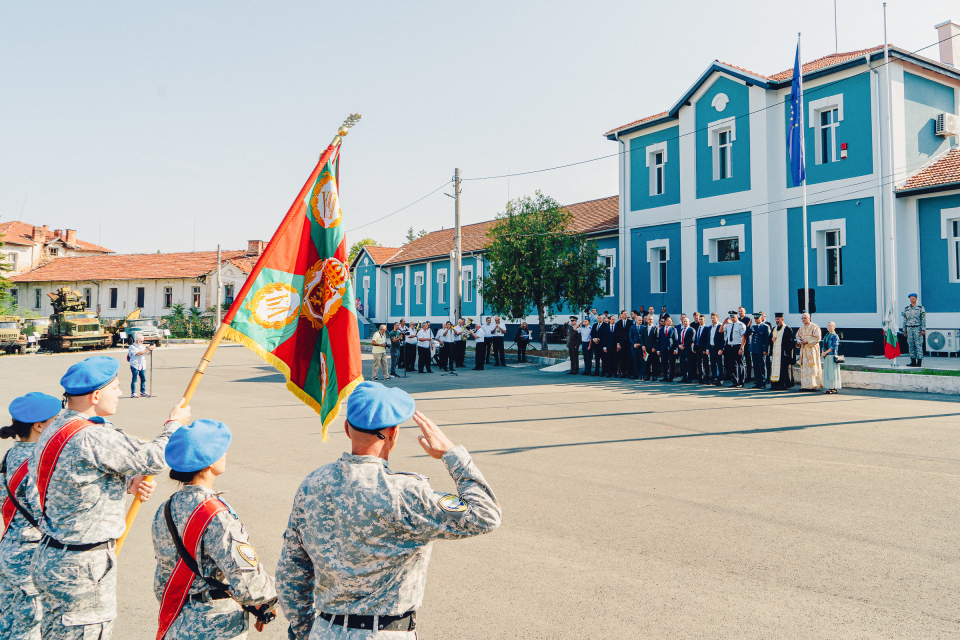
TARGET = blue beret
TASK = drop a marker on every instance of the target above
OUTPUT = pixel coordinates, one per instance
(34, 407)
(913, 295)
(197, 445)
(373, 406)
(89, 375)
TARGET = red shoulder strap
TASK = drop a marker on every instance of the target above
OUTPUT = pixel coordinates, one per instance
(9, 509)
(177, 589)
(51, 453)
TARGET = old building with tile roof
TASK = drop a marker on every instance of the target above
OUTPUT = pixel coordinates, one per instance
(26, 246)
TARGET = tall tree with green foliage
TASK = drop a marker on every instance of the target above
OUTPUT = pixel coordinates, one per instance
(537, 261)
(8, 306)
(360, 244)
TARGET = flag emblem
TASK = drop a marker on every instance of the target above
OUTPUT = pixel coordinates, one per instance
(325, 203)
(275, 305)
(326, 284)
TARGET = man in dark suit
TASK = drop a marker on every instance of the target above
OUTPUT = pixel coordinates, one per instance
(685, 348)
(648, 338)
(636, 347)
(667, 348)
(716, 344)
(596, 349)
(606, 348)
(621, 332)
(701, 350)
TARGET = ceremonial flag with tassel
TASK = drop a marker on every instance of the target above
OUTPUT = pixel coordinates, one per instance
(296, 309)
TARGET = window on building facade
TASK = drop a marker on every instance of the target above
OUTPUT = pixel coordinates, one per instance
(196, 297)
(441, 286)
(398, 286)
(657, 174)
(53, 252)
(113, 297)
(167, 297)
(828, 135)
(662, 263)
(834, 263)
(723, 154)
(15, 295)
(11, 260)
(607, 262)
(955, 250)
(36, 298)
(418, 287)
(228, 293)
(141, 297)
(728, 250)
(467, 277)
(88, 297)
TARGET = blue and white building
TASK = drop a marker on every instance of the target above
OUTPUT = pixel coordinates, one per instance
(710, 219)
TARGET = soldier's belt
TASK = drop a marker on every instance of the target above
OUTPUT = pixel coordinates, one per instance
(210, 594)
(406, 622)
(56, 544)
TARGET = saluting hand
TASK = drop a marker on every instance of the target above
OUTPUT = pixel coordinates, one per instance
(433, 441)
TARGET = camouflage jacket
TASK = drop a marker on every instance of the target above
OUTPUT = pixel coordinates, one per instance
(85, 496)
(915, 316)
(360, 536)
(226, 554)
(16, 549)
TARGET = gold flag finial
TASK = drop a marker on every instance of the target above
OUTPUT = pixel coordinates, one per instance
(351, 121)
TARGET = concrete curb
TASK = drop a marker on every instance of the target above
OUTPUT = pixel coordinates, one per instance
(949, 385)
(185, 341)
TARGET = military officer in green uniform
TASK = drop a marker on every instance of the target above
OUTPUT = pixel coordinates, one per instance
(915, 326)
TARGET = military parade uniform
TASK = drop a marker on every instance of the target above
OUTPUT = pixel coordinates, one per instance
(914, 321)
(81, 495)
(360, 535)
(206, 604)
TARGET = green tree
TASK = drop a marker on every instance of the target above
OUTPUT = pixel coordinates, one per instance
(536, 261)
(413, 235)
(8, 306)
(359, 244)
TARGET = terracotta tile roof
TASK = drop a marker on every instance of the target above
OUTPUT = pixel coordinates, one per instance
(946, 170)
(380, 255)
(245, 263)
(588, 217)
(133, 266)
(16, 232)
(655, 116)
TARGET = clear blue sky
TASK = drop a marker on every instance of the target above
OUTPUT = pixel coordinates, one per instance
(143, 117)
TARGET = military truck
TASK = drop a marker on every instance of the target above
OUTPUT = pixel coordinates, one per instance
(144, 327)
(12, 339)
(72, 326)
(36, 325)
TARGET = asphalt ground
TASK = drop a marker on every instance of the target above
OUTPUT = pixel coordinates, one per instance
(629, 510)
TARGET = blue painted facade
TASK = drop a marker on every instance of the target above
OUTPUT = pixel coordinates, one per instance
(737, 108)
(366, 272)
(470, 308)
(937, 293)
(706, 268)
(644, 169)
(418, 271)
(924, 99)
(440, 296)
(398, 291)
(645, 279)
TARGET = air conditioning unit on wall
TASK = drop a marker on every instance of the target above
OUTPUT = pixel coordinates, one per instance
(948, 125)
(943, 340)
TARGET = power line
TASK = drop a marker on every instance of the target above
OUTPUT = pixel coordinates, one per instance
(367, 224)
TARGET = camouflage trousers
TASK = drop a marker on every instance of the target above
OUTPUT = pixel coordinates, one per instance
(215, 620)
(78, 591)
(20, 611)
(914, 342)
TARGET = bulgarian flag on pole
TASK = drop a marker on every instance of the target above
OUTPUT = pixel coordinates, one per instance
(891, 345)
(296, 309)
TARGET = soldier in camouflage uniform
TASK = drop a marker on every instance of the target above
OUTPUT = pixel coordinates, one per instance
(227, 558)
(356, 549)
(915, 326)
(20, 611)
(75, 565)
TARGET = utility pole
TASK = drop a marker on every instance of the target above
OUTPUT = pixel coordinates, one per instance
(457, 247)
(219, 289)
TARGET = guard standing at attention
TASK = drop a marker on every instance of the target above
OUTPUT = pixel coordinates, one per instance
(83, 465)
(208, 575)
(915, 326)
(358, 542)
(20, 611)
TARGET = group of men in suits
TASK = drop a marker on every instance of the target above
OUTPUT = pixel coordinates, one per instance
(698, 349)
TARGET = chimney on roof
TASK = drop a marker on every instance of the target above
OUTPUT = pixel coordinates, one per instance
(948, 33)
(71, 236)
(38, 234)
(56, 233)
(255, 247)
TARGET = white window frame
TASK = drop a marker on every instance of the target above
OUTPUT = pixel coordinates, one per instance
(11, 260)
(838, 248)
(398, 287)
(828, 103)
(714, 129)
(818, 241)
(608, 258)
(144, 290)
(655, 168)
(366, 293)
(441, 286)
(654, 247)
(948, 219)
(114, 297)
(167, 297)
(88, 296)
(53, 252)
(712, 234)
(418, 286)
(466, 276)
(196, 297)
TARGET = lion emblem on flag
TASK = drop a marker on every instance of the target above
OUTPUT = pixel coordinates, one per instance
(323, 291)
(325, 201)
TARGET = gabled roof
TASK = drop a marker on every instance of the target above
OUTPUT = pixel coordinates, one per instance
(16, 232)
(811, 70)
(593, 216)
(134, 266)
(943, 174)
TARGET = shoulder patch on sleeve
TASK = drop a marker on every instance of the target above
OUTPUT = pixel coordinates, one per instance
(244, 555)
(452, 503)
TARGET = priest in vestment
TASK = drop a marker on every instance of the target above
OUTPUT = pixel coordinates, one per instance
(811, 369)
(782, 358)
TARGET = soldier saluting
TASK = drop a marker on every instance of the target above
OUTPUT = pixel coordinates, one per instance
(915, 326)
(82, 466)
(359, 539)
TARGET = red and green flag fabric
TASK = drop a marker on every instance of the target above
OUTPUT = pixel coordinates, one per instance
(296, 309)
(891, 345)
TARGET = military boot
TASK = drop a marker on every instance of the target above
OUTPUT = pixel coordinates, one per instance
(913, 362)
(920, 362)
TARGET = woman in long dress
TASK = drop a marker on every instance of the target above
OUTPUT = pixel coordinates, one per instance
(808, 340)
(831, 369)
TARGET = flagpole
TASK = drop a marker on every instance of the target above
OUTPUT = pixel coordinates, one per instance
(806, 252)
(224, 325)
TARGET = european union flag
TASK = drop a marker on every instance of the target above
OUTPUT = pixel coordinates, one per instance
(795, 135)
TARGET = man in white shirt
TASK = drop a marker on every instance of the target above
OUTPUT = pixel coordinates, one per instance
(459, 343)
(584, 331)
(733, 331)
(478, 335)
(488, 339)
(410, 348)
(424, 338)
(379, 344)
(136, 354)
(497, 335)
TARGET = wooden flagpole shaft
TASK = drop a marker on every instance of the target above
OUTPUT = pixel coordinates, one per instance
(187, 395)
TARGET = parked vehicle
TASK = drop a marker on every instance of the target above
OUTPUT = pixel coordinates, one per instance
(145, 327)
(72, 326)
(12, 339)
(36, 325)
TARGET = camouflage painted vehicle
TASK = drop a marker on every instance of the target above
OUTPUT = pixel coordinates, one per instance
(72, 326)
(12, 339)
(36, 325)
